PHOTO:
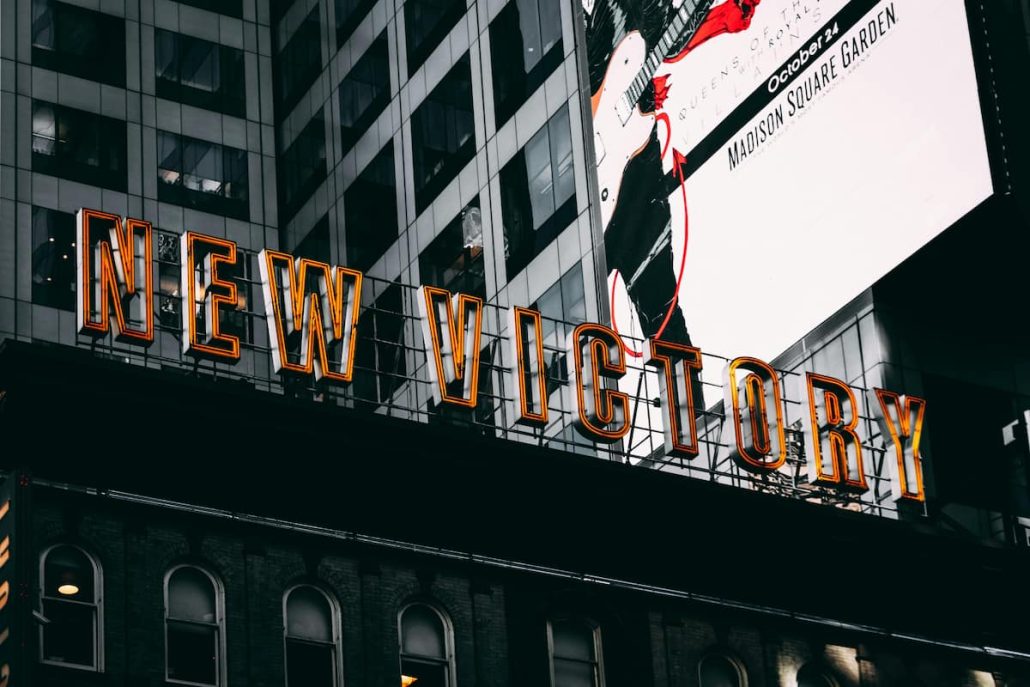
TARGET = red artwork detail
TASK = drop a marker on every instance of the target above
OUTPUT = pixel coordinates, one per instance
(733, 16)
(661, 90)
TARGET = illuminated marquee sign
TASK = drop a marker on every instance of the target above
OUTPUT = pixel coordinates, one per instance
(312, 315)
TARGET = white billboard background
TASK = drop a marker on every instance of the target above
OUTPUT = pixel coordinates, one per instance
(883, 158)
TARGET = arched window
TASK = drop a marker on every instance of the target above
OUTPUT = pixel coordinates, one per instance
(812, 675)
(719, 670)
(312, 626)
(427, 647)
(575, 648)
(194, 627)
(71, 591)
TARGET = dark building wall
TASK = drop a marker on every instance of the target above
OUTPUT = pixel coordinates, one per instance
(499, 617)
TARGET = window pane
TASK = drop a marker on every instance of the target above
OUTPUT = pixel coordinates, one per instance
(68, 637)
(426, 24)
(309, 615)
(422, 632)
(202, 166)
(538, 168)
(529, 23)
(199, 65)
(42, 24)
(443, 133)
(191, 596)
(166, 58)
(192, 653)
(44, 129)
(68, 573)
(573, 673)
(561, 157)
(302, 167)
(299, 63)
(573, 640)
(425, 674)
(78, 41)
(365, 91)
(53, 258)
(370, 208)
(550, 24)
(310, 665)
(349, 14)
(718, 671)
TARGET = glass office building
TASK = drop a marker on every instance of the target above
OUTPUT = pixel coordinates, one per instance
(167, 519)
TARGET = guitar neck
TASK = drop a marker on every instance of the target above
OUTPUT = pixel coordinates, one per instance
(684, 25)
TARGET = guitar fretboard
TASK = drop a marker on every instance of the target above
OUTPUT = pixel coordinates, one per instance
(684, 25)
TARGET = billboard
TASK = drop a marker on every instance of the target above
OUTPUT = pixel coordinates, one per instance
(761, 162)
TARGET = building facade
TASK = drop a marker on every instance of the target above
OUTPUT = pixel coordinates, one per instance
(173, 519)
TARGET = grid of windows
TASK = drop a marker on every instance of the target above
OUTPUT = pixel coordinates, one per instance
(202, 175)
(200, 73)
(78, 41)
(78, 145)
(538, 192)
(525, 47)
(443, 133)
(364, 92)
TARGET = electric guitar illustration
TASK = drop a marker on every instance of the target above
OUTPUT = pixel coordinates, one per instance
(620, 129)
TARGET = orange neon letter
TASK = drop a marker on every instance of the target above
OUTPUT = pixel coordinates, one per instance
(204, 292)
(757, 413)
(114, 267)
(527, 340)
(677, 367)
(829, 427)
(601, 412)
(454, 358)
(901, 421)
(306, 300)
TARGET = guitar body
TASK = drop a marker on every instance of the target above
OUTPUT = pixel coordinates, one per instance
(617, 142)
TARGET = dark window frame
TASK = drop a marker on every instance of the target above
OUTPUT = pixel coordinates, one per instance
(432, 176)
(306, 153)
(351, 84)
(231, 204)
(348, 19)
(109, 141)
(54, 276)
(419, 52)
(512, 82)
(525, 235)
(105, 63)
(230, 97)
(364, 218)
(217, 625)
(48, 602)
(293, 69)
(309, 645)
